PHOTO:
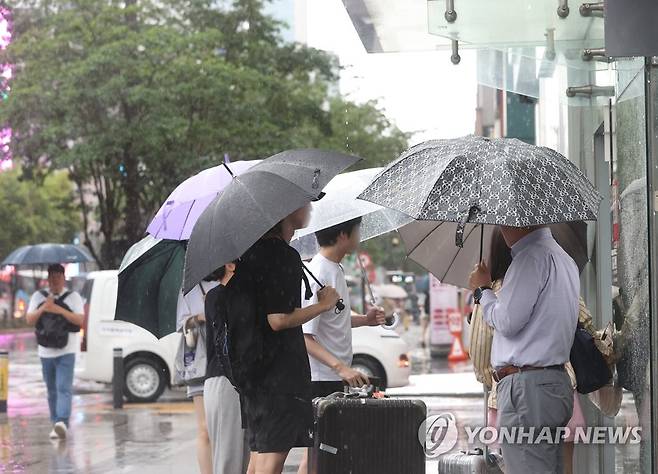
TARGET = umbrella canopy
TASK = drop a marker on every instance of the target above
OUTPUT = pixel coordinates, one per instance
(340, 205)
(46, 254)
(431, 245)
(137, 250)
(485, 181)
(150, 278)
(254, 203)
(177, 216)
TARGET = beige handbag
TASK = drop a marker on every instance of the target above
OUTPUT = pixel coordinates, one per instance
(481, 338)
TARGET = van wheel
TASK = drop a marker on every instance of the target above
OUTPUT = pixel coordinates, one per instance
(371, 367)
(144, 380)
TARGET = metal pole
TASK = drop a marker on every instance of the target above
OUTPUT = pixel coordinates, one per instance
(4, 380)
(651, 119)
(117, 378)
(13, 283)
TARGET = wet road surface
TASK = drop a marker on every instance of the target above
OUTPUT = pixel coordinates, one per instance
(159, 438)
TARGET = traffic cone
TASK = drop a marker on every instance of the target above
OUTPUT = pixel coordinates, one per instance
(457, 352)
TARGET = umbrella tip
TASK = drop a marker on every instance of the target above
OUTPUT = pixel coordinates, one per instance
(229, 170)
(227, 158)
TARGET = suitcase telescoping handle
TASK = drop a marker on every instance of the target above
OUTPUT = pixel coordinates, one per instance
(488, 460)
(367, 391)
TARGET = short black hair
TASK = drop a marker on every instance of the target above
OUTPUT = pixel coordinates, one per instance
(329, 236)
(55, 268)
(217, 275)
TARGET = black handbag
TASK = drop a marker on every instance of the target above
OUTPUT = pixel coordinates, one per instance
(592, 371)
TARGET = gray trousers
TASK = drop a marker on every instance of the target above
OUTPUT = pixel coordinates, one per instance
(533, 401)
(230, 449)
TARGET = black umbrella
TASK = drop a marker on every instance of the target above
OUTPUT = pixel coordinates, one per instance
(485, 181)
(46, 254)
(255, 202)
(150, 279)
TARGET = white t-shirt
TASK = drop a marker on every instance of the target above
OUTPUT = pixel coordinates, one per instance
(333, 331)
(75, 303)
(193, 303)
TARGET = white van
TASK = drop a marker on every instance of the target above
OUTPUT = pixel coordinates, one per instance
(149, 361)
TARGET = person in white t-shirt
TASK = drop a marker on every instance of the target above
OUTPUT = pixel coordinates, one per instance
(57, 349)
(329, 336)
(190, 315)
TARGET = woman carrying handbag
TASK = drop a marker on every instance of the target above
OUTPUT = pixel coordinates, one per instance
(191, 361)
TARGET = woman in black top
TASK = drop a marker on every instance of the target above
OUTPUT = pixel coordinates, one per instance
(279, 413)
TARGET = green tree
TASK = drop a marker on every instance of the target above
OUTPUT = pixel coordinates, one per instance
(34, 213)
(131, 97)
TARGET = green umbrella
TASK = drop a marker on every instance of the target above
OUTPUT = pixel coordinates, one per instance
(150, 280)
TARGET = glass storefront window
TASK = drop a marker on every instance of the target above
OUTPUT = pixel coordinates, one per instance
(631, 302)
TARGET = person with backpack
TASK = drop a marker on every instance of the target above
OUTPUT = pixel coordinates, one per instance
(228, 440)
(268, 360)
(329, 336)
(57, 315)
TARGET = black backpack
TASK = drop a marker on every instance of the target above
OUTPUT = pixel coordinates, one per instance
(52, 330)
(592, 371)
(240, 333)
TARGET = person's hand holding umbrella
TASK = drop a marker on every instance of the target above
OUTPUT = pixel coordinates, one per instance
(328, 297)
(375, 316)
(50, 307)
(479, 277)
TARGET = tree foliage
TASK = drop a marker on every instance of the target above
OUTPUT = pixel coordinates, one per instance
(133, 96)
(33, 213)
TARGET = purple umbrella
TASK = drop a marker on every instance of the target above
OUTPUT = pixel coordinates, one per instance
(177, 216)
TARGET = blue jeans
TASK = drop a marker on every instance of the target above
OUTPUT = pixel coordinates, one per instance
(58, 375)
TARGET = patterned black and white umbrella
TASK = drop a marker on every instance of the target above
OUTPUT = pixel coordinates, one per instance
(485, 181)
(473, 180)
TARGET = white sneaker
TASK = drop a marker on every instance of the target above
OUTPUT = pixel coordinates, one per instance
(60, 429)
(53, 435)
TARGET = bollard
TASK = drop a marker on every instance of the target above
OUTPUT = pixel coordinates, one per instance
(118, 378)
(4, 380)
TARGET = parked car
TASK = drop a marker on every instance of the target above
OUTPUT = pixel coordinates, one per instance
(149, 362)
(381, 353)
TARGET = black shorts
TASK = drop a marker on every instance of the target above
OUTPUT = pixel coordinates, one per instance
(277, 423)
(324, 389)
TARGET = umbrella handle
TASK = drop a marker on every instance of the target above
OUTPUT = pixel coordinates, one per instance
(340, 304)
(481, 240)
(364, 277)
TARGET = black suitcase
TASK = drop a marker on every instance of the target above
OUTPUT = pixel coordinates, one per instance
(364, 435)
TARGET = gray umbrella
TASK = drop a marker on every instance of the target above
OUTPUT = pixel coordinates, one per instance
(45, 254)
(255, 202)
(485, 181)
(431, 245)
